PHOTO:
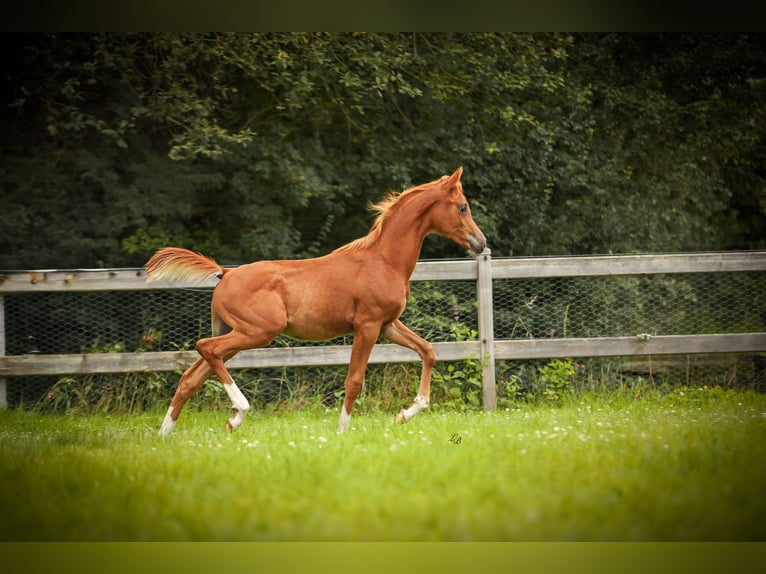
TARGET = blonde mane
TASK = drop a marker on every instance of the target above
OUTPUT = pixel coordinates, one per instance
(384, 208)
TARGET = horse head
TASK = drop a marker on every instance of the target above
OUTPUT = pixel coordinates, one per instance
(452, 216)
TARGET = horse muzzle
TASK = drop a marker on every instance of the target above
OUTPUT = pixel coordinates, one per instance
(477, 244)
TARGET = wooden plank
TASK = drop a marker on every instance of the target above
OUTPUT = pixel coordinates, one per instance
(446, 270)
(21, 365)
(87, 280)
(134, 279)
(627, 346)
(87, 363)
(39, 364)
(533, 267)
(458, 269)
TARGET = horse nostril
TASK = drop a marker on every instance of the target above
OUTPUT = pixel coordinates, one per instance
(477, 244)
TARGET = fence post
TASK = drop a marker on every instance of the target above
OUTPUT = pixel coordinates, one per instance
(486, 330)
(3, 388)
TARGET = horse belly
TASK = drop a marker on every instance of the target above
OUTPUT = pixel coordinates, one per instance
(316, 329)
(314, 317)
(321, 318)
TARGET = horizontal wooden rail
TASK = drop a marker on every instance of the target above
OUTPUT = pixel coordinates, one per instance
(134, 279)
(87, 280)
(85, 363)
(514, 349)
(628, 346)
(589, 266)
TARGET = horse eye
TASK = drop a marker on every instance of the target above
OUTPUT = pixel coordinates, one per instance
(462, 208)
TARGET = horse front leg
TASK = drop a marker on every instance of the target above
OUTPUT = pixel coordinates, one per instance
(364, 341)
(397, 332)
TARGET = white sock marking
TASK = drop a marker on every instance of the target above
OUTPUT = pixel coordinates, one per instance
(345, 420)
(239, 402)
(167, 424)
(417, 406)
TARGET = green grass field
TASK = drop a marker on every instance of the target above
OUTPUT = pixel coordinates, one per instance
(682, 466)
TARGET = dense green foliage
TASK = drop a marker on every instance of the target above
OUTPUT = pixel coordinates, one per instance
(683, 466)
(250, 146)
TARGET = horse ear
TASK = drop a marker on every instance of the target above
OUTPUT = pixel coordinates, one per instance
(455, 177)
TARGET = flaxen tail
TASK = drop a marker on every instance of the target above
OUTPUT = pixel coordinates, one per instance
(176, 264)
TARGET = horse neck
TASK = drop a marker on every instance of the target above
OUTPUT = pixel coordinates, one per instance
(401, 237)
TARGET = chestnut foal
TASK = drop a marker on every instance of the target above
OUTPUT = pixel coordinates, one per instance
(360, 288)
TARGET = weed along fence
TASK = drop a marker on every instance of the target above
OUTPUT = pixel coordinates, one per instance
(496, 312)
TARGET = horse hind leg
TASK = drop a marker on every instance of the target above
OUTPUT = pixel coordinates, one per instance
(216, 351)
(190, 383)
(191, 380)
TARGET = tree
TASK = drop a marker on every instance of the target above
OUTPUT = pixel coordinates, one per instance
(660, 151)
(250, 146)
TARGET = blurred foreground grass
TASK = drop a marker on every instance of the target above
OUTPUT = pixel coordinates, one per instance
(682, 466)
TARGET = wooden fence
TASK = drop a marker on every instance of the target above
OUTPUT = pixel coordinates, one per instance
(483, 270)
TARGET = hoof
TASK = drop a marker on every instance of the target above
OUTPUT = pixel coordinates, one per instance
(229, 428)
(400, 420)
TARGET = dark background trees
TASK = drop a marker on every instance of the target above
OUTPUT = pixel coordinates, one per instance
(249, 146)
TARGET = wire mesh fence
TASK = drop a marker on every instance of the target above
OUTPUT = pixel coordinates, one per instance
(626, 306)
(558, 307)
(614, 306)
